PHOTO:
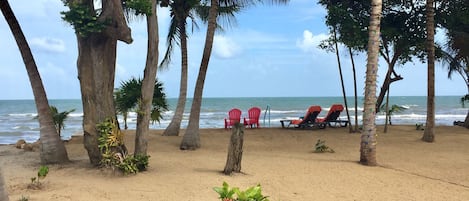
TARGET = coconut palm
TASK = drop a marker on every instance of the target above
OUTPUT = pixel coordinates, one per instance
(191, 139)
(429, 133)
(368, 138)
(59, 118)
(52, 148)
(128, 98)
(180, 10)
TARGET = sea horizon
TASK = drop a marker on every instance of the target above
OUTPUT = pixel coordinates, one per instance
(17, 116)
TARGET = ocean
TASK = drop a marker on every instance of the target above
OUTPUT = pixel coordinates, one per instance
(17, 117)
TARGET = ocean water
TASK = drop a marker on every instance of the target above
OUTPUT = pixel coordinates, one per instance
(17, 117)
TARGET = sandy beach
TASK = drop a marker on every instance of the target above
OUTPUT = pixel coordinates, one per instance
(281, 160)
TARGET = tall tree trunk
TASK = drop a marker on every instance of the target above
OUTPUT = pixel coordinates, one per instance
(354, 89)
(52, 148)
(368, 138)
(429, 133)
(386, 110)
(175, 124)
(191, 139)
(342, 80)
(3, 189)
(148, 83)
(96, 70)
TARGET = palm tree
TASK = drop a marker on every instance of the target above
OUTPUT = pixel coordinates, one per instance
(368, 138)
(429, 133)
(456, 56)
(59, 118)
(191, 139)
(180, 10)
(128, 98)
(52, 148)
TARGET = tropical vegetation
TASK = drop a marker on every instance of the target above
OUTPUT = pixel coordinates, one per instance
(127, 99)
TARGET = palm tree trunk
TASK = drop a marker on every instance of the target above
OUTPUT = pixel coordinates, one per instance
(354, 89)
(342, 80)
(368, 138)
(52, 148)
(3, 190)
(429, 133)
(96, 71)
(148, 83)
(191, 139)
(175, 124)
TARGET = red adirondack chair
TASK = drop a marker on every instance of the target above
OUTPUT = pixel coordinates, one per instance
(253, 117)
(234, 116)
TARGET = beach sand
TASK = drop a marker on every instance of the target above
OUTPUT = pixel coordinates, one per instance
(281, 160)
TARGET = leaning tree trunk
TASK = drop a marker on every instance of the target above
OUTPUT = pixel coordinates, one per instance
(342, 80)
(429, 133)
(96, 70)
(52, 149)
(175, 124)
(368, 138)
(3, 189)
(191, 139)
(354, 89)
(148, 83)
(235, 150)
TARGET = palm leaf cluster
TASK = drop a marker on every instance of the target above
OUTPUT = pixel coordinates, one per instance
(127, 98)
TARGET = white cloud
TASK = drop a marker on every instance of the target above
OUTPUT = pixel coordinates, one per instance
(48, 44)
(225, 47)
(309, 42)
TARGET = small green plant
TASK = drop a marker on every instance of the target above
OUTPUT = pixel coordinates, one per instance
(419, 126)
(41, 174)
(321, 147)
(23, 198)
(114, 154)
(251, 194)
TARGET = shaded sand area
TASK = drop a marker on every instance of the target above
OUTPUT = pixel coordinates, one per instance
(281, 160)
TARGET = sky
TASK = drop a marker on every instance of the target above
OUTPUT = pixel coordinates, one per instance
(271, 51)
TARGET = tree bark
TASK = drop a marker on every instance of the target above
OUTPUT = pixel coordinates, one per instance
(52, 149)
(342, 80)
(235, 150)
(3, 190)
(368, 138)
(148, 83)
(429, 133)
(191, 139)
(96, 70)
(175, 124)
(354, 89)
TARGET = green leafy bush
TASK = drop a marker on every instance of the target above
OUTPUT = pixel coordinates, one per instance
(82, 18)
(251, 194)
(321, 147)
(114, 154)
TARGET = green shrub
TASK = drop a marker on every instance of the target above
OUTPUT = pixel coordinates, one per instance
(251, 194)
(321, 147)
(114, 154)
